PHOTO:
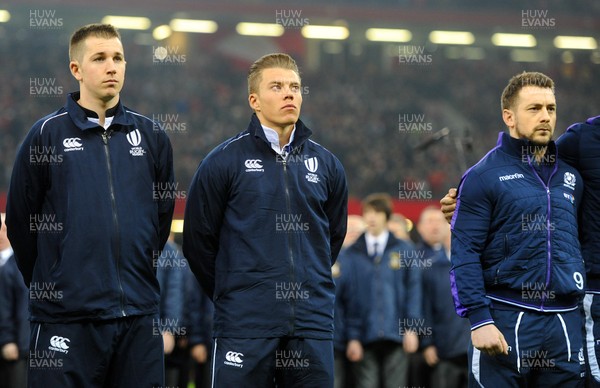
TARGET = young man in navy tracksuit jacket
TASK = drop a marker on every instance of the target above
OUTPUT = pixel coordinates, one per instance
(89, 206)
(517, 270)
(264, 222)
(384, 300)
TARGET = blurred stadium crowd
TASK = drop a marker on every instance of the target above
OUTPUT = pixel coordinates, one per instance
(377, 113)
(361, 107)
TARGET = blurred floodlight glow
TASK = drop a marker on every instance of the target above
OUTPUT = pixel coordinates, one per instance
(451, 37)
(192, 25)
(524, 55)
(4, 16)
(514, 40)
(567, 57)
(162, 32)
(127, 22)
(474, 53)
(388, 35)
(575, 42)
(259, 29)
(325, 32)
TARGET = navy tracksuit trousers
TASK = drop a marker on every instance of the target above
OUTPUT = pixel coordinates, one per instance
(118, 353)
(545, 350)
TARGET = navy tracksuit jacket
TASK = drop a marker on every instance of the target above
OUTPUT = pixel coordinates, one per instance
(262, 232)
(514, 234)
(87, 211)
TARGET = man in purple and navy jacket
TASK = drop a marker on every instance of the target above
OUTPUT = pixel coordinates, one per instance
(517, 269)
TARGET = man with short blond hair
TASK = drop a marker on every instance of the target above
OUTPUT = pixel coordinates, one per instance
(264, 222)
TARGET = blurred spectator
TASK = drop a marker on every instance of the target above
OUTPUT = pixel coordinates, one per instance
(14, 315)
(433, 229)
(446, 348)
(343, 377)
(400, 226)
(199, 321)
(356, 227)
(170, 272)
(385, 300)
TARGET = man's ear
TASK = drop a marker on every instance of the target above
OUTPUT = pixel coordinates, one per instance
(509, 118)
(74, 67)
(254, 102)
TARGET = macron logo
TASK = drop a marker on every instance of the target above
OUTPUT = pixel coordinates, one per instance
(509, 177)
(234, 359)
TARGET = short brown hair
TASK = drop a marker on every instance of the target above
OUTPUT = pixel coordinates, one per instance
(380, 202)
(99, 30)
(269, 61)
(519, 81)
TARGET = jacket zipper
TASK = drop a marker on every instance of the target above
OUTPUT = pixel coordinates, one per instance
(291, 253)
(548, 227)
(105, 137)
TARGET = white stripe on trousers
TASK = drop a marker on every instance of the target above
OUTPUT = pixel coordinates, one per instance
(590, 341)
(475, 366)
(517, 340)
(562, 322)
(214, 360)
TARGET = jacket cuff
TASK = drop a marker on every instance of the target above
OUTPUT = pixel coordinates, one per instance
(480, 317)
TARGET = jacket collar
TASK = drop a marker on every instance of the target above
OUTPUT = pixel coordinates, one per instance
(300, 136)
(522, 148)
(79, 116)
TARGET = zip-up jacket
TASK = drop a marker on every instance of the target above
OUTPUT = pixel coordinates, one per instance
(386, 291)
(579, 146)
(514, 233)
(262, 232)
(88, 210)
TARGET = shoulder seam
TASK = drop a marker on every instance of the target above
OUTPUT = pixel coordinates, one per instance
(50, 118)
(235, 139)
(138, 114)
